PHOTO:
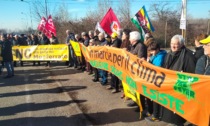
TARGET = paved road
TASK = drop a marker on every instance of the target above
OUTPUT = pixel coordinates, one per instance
(61, 96)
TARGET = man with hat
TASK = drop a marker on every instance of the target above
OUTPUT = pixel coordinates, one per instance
(203, 63)
(115, 42)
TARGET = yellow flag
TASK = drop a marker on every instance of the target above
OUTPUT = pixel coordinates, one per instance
(76, 48)
(131, 93)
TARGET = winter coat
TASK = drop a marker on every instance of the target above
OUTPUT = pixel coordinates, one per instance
(203, 65)
(70, 37)
(6, 51)
(86, 42)
(116, 43)
(158, 59)
(103, 42)
(184, 61)
(126, 44)
(199, 51)
(139, 49)
(44, 41)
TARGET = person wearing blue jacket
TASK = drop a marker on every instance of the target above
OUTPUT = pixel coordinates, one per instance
(156, 57)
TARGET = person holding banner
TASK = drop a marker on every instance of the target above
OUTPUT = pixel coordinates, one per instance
(115, 42)
(22, 42)
(53, 39)
(45, 41)
(181, 59)
(103, 73)
(203, 63)
(80, 59)
(86, 43)
(156, 57)
(35, 41)
(125, 45)
(72, 58)
(199, 51)
(16, 42)
(139, 49)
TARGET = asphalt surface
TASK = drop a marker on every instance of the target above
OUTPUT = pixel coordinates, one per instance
(61, 96)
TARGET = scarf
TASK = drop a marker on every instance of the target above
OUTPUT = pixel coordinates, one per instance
(175, 60)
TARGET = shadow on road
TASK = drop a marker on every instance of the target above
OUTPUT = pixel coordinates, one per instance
(45, 121)
(112, 116)
(43, 91)
(12, 110)
(34, 76)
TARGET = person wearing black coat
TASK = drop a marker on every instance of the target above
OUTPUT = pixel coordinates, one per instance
(140, 50)
(45, 41)
(6, 54)
(203, 63)
(35, 41)
(199, 51)
(115, 42)
(181, 59)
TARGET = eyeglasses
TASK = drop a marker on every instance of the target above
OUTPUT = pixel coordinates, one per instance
(206, 45)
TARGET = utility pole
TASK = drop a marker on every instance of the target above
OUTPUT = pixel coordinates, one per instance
(46, 8)
(166, 25)
(30, 12)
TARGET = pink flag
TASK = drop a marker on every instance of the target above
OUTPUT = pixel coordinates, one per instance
(110, 22)
(47, 26)
(50, 27)
(42, 24)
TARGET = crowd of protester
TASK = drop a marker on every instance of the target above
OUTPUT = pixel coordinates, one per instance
(9, 40)
(178, 58)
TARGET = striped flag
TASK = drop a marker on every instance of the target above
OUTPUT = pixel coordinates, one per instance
(135, 21)
(142, 22)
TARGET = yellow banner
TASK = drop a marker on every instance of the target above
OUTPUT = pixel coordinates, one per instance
(183, 93)
(132, 93)
(41, 53)
(76, 47)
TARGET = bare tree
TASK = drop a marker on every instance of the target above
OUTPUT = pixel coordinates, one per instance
(164, 15)
(124, 13)
(40, 9)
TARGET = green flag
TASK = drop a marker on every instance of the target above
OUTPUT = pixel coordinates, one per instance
(136, 23)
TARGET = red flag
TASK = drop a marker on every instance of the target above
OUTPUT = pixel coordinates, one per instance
(42, 24)
(110, 22)
(42, 27)
(47, 26)
(50, 27)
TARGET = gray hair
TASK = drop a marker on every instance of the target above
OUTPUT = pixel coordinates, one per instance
(135, 35)
(83, 33)
(77, 35)
(101, 35)
(91, 32)
(92, 41)
(179, 38)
